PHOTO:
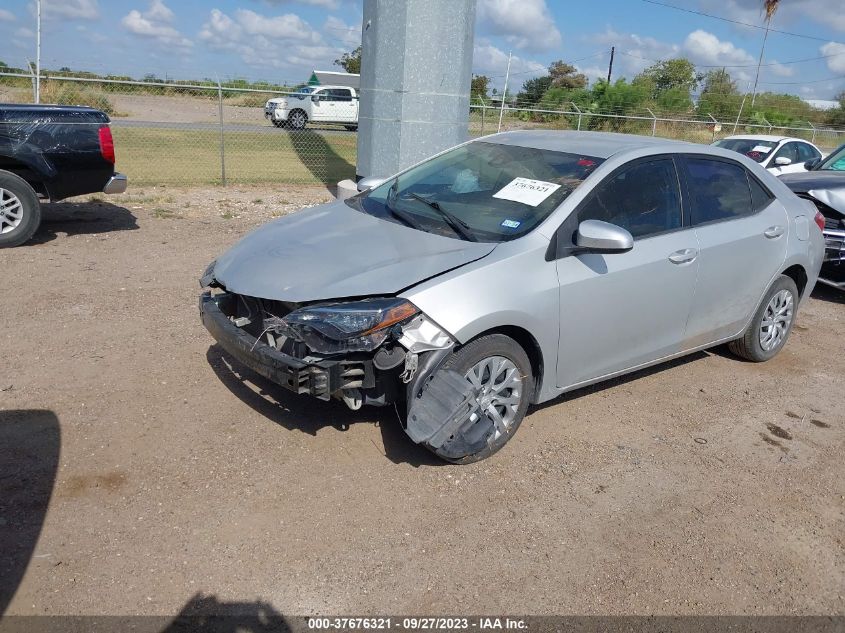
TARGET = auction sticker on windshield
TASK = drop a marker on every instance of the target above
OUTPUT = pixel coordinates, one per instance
(526, 191)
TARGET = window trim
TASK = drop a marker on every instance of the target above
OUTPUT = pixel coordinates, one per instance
(721, 159)
(564, 246)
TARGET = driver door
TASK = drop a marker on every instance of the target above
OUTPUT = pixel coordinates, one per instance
(320, 102)
(621, 310)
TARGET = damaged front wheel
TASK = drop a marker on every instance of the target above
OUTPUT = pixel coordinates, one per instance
(498, 374)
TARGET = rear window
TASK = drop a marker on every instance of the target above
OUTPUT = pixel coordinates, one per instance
(755, 150)
(719, 190)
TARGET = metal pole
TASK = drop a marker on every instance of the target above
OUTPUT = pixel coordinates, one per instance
(483, 111)
(222, 138)
(813, 140)
(38, 55)
(654, 122)
(505, 92)
(610, 66)
(739, 114)
(760, 63)
(715, 123)
(578, 110)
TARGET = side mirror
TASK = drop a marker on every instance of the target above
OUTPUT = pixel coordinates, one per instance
(371, 182)
(315, 98)
(595, 236)
(811, 164)
(782, 161)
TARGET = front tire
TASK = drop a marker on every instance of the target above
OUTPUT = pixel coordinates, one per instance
(500, 371)
(769, 329)
(20, 210)
(297, 120)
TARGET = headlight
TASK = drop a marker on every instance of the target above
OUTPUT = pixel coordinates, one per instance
(357, 326)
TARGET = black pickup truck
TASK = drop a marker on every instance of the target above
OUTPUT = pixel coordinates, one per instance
(50, 153)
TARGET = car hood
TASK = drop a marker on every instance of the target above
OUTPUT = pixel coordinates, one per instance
(825, 186)
(333, 251)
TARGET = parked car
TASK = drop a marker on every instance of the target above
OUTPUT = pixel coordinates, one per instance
(514, 268)
(823, 184)
(50, 153)
(778, 154)
(324, 104)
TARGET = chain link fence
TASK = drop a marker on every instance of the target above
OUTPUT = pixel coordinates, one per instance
(213, 133)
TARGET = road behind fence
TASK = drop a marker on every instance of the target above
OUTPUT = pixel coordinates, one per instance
(211, 133)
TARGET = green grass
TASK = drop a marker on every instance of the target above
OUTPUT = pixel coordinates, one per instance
(151, 156)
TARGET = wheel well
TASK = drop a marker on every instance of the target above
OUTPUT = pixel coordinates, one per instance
(21, 169)
(531, 347)
(799, 276)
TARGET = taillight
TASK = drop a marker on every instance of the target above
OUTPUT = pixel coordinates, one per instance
(819, 219)
(106, 144)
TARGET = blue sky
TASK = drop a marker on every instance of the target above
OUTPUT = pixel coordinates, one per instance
(286, 39)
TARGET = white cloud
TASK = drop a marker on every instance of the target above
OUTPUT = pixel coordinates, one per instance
(285, 41)
(634, 53)
(7, 16)
(25, 32)
(836, 63)
(347, 34)
(781, 70)
(328, 4)
(155, 24)
(489, 60)
(68, 9)
(707, 49)
(526, 24)
(826, 12)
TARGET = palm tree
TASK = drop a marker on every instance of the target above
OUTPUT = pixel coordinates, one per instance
(770, 7)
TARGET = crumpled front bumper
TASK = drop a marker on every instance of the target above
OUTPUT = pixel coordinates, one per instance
(320, 379)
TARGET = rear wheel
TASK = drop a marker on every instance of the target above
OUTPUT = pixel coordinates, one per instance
(500, 374)
(767, 333)
(297, 120)
(20, 211)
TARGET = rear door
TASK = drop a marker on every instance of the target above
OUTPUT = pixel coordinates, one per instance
(621, 310)
(742, 233)
(344, 105)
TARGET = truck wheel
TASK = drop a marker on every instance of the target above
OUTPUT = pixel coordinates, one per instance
(499, 370)
(20, 211)
(351, 128)
(297, 120)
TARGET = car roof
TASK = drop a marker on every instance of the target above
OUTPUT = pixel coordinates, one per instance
(762, 137)
(597, 144)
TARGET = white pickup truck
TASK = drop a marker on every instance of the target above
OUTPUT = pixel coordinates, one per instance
(325, 104)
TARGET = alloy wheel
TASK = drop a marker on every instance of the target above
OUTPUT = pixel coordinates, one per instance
(11, 211)
(498, 383)
(776, 320)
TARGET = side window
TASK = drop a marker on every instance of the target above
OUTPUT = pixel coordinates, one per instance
(807, 152)
(719, 190)
(790, 151)
(644, 198)
(760, 196)
(342, 94)
(322, 95)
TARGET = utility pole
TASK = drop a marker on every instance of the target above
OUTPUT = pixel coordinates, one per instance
(760, 62)
(610, 67)
(505, 92)
(38, 54)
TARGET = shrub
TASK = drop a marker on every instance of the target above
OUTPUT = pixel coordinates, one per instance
(62, 93)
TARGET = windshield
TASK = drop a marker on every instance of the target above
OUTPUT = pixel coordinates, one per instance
(305, 90)
(834, 162)
(755, 150)
(481, 191)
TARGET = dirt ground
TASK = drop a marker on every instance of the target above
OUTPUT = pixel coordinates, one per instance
(143, 471)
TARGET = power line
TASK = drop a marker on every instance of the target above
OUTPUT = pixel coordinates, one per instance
(539, 70)
(748, 24)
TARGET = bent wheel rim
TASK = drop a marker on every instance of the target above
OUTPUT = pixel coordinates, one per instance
(498, 384)
(776, 320)
(11, 211)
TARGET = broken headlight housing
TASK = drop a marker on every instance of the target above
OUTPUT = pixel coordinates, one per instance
(356, 326)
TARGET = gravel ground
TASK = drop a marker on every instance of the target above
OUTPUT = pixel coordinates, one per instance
(142, 471)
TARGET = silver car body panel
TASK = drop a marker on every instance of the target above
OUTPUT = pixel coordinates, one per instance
(590, 316)
(334, 252)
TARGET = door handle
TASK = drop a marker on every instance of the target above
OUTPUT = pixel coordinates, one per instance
(684, 256)
(774, 231)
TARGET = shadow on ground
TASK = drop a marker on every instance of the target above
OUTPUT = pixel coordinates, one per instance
(309, 415)
(320, 158)
(823, 292)
(82, 218)
(207, 614)
(29, 458)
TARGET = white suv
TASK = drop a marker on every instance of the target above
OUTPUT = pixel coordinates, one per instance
(778, 154)
(327, 104)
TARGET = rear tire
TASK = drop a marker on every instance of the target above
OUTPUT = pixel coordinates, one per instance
(20, 210)
(770, 327)
(482, 438)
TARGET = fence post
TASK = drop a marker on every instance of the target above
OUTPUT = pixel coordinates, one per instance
(578, 110)
(222, 136)
(653, 123)
(813, 140)
(767, 123)
(483, 113)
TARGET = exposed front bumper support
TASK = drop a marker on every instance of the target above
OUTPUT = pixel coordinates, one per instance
(116, 184)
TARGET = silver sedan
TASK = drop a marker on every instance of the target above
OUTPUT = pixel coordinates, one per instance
(514, 268)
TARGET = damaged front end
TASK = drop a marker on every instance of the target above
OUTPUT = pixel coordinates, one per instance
(369, 351)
